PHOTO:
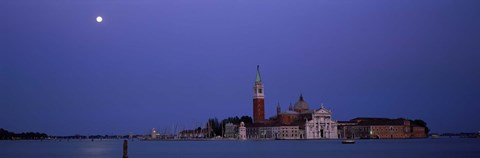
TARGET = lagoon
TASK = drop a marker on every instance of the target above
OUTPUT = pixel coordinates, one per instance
(408, 148)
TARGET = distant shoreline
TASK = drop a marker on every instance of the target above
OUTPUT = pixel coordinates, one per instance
(198, 140)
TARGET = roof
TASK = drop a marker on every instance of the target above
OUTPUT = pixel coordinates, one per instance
(289, 112)
(346, 122)
(322, 109)
(378, 121)
(258, 79)
(301, 104)
(275, 124)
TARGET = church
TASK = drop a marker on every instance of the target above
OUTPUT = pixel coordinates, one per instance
(321, 125)
(298, 122)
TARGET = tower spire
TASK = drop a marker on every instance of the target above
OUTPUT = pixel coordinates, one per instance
(278, 108)
(259, 79)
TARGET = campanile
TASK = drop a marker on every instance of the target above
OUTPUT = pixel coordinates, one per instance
(258, 99)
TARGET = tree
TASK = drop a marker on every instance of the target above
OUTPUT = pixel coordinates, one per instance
(246, 119)
(423, 124)
(214, 127)
(4, 134)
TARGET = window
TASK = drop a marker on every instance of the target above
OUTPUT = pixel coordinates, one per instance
(260, 90)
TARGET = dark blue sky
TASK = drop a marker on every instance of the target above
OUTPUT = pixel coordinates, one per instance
(160, 63)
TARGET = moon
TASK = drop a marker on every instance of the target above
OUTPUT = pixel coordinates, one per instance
(99, 19)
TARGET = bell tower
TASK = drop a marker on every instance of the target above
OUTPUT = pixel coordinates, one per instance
(258, 99)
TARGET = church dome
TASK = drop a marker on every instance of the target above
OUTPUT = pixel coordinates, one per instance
(301, 105)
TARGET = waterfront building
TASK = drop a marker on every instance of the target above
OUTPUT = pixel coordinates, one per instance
(380, 128)
(418, 132)
(252, 132)
(261, 131)
(268, 132)
(342, 128)
(153, 134)
(291, 132)
(321, 125)
(196, 133)
(274, 131)
(231, 131)
(242, 133)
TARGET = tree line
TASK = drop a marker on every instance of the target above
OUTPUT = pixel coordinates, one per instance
(215, 126)
(7, 135)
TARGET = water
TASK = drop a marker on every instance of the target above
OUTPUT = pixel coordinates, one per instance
(413, 148)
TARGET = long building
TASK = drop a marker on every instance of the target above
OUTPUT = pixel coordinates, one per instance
(380, 128)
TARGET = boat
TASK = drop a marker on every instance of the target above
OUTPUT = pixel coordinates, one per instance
(348, 141)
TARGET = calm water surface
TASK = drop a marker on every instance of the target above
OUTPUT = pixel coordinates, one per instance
(438, 148)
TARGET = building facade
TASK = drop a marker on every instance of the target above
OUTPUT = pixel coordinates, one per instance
(153, 134)
(275, 132)
(242, 131)
(291, 132)
(321, 126)
(381, 128)
(231, 131)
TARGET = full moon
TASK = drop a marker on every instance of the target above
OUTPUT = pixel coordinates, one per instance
(99, 19)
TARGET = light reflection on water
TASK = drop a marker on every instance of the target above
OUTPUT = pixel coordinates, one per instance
(98, 149)
(441, 148)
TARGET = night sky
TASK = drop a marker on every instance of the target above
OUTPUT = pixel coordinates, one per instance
(157, 64)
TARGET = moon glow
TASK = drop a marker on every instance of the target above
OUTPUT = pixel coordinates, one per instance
(99, 19)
